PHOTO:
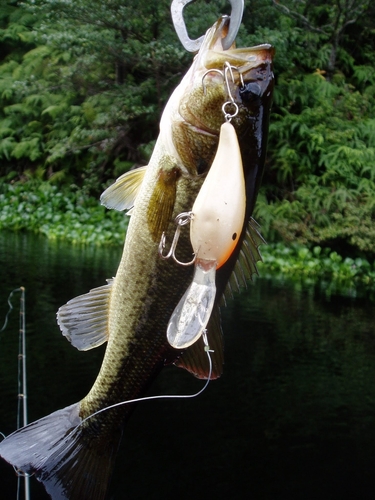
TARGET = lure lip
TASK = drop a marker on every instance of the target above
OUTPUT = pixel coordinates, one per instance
(192, 313)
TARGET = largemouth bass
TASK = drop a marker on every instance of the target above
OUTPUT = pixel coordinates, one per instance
(69, 451)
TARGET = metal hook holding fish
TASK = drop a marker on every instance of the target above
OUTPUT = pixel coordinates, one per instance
(181, 220)
(194, 45)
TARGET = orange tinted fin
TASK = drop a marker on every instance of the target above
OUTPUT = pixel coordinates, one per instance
(245, 266)
(194, 359)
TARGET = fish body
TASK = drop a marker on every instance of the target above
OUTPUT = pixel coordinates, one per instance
(72, 451)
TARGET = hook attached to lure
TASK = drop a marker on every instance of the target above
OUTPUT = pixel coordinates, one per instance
(181, 220)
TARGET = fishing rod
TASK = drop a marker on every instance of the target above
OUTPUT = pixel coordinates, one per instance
(22, 379)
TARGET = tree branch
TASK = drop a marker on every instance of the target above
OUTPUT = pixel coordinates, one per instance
(299, 17)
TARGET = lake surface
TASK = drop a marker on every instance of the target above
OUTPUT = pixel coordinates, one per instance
(293, 416)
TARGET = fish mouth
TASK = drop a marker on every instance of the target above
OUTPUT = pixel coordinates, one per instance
(211, 55)
(205, 85)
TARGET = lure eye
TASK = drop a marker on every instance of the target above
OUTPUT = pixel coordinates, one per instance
(250, 92)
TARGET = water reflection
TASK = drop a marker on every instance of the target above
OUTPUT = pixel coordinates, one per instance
(292, 417)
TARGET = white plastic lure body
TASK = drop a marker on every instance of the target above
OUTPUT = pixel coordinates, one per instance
(219, 209)
(217, 220)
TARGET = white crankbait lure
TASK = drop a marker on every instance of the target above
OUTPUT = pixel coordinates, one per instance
(216, 223)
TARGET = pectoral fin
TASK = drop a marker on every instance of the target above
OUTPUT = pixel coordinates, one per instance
(162, 201)
(84, 319)
(122, 194)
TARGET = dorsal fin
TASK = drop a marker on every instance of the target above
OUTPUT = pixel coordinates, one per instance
(84, 319)
(245, 266)
(122, 194)
(194, 359)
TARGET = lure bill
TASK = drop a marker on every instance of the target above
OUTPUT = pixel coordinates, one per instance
(71, 454)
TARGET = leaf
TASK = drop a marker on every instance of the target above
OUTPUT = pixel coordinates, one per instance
(55, 110)
(6, 147)
(27, 149)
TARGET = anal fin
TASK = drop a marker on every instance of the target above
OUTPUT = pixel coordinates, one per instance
(194, 359)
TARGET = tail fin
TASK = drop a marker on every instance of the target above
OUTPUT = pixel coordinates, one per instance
(71, 465)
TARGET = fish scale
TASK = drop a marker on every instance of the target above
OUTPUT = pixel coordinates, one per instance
(143, 307)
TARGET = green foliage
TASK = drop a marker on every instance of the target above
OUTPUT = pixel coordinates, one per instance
(43, 208)
(323, 162)
(334, 273)
(319, 187)
(83, 84)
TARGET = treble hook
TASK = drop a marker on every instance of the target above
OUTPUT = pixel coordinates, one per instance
(181, 220)
(194, 45)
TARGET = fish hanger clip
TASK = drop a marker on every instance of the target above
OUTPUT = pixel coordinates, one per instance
(228, 69)
(194, 45)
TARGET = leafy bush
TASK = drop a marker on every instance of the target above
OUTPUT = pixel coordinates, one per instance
(43, 208)
(323, 164)
(323, 267)
(83, 84)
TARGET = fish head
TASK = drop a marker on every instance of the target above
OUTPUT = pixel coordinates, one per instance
(193, 117)
(194, 114)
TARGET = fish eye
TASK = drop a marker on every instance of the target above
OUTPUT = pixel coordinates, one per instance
(250, 92)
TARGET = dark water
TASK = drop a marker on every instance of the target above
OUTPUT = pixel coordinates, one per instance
(293, 416)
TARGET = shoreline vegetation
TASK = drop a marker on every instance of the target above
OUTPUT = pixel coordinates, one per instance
(61, 214)
(83, 85)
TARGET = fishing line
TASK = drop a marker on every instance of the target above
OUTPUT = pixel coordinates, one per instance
(22, 379)
(21, 473)
(207, 349)
(163, 396)
(22, 382)
(10, 307)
